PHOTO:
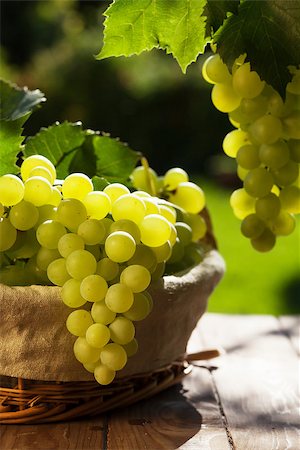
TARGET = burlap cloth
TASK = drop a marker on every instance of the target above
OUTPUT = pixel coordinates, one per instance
(35, 344)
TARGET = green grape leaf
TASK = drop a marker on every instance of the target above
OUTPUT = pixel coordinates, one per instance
(99, 183)
(216, 12)
(57, 143)
(17, 102)
(10, 144)
(269, 32)
(176, 26)
(114, 160)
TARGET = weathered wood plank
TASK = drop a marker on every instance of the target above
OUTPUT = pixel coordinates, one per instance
(257, 381)
(81, 435)
(291, 327)
(185, 417)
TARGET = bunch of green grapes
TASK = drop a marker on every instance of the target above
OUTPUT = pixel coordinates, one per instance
(103, 248)
(266, 145)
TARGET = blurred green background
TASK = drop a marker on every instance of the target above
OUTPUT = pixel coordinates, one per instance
(149, 103)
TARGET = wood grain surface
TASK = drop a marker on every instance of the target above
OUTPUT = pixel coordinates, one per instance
(246, 399)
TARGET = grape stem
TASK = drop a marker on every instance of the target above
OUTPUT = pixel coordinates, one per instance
(149, 180)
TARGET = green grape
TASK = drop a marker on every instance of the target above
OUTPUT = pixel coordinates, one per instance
(283, 225)
(25, 246)
(287, 174)
(97, 335)
(184, 232)
(265, 242)
(45, 256)
(131, 348)
(163, 252)
(139, 309)
(247, 157)
(268, 207)
(136, 277)
(258, 182)
(101, 313)
(129, 207)
(34, 275)
(252, 226)
(1, 210)
(215, 71)
(70, 294)
(194, 253)
(46, 212)
(151, 206)
(168, 212)
(120, 246)
(173, 177)
(107, 222)
(241, 172)
(242, 203)
(68, 243)
(115, 190)
(177, 252)
(80, 264)
(198, 226)
(294, 146)
(277, 107)
(144, 256)
(23, 215)
(159, 271)
(274, 155)
(103, 375)
(13, 276)
(77, 185)
(234, 141)
(56, 197)
(252, 109)
(49, 233)
(34, 161)
(149, 298)
(93, 288)
(40, 171)
(155, 230)
(144, 179)
(57, 272)
(122, 330)
(119, 298)
(92, 231)
(224, 98)
(291, 125)
(71, 213)
(85, 353)
(290, 199)
(37, 190)
(173, 236)
(8, 234)
(95, 250)
(113, 356)
(294, 85)
(266, 130)
(98, 204)
(189, 196)
(78, 322)
(107, 269)
(128, 226)
(90, 367)
(11, 190)
(247, 83)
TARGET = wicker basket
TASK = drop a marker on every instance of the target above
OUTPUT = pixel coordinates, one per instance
(41, 381)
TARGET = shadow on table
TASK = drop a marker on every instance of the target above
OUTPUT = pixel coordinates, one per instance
(168, 420)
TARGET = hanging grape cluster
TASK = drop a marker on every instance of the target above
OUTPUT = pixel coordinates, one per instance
(266, 145)
(103, 248)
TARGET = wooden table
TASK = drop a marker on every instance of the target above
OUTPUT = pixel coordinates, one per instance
(247, 399)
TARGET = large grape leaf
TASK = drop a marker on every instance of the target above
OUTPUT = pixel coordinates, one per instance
(269, 32)
(10, 144)
(16, 102)
(114, 160)
(57, 143)
(216, 12)
(176, 26)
